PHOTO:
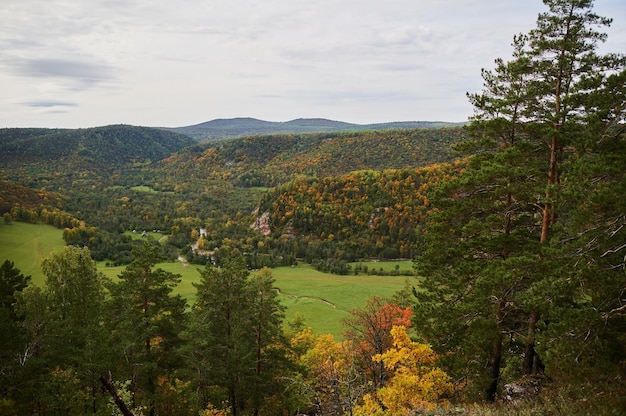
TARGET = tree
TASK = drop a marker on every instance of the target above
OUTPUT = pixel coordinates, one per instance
(146, 319)
(12, 334)
(370, 331)
(269, 341)
(75, 293)
(493, 250)
(332, 378)
(235, 336)
(416, 383)
(12, 282)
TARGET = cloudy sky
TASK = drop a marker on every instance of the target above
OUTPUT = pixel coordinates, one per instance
(85, 63)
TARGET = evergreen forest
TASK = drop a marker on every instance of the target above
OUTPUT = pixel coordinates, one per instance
(515, 224)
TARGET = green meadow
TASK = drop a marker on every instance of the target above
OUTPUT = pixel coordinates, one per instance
(27, 244)
(321, 299)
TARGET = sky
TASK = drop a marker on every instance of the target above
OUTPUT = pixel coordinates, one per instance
(87, 63)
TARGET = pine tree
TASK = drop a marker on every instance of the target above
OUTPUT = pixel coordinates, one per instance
(13, 337)
(146, 319)
(235, 336)
(493, 250)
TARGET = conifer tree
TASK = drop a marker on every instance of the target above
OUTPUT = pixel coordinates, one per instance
(493, 250)
(146, 319)
(12, 335)
(235, 340)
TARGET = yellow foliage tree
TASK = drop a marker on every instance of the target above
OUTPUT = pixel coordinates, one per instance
(331, 381)
(416, 384)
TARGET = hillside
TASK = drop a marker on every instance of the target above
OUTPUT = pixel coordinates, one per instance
(274, 159)
(12, 194)
(222, 129)
(358, 215)
(122, 178)
(43, 154)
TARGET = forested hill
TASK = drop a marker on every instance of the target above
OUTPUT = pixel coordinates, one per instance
(221, 129)
(98, 150)
(276, 159)
(12, 194)
(362, 214)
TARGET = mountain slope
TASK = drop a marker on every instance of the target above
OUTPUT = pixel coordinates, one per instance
(271, 160)
(76, 152)
(361, 214)
(221, 129)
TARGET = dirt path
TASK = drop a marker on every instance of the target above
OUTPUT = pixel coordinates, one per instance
(306, 297)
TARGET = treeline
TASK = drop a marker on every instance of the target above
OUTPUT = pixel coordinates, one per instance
(83, 344)
(107, 148)
(41, 214)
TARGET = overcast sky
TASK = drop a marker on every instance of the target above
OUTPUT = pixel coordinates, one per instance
(85, 63)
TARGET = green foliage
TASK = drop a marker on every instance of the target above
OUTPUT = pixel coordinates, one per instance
(272, 160)
(146, 319)
(74, 292)
(86, 152)
(235, 338)
(12, 337)
(502, 254)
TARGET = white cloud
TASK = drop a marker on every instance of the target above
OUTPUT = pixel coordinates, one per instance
(157, 62)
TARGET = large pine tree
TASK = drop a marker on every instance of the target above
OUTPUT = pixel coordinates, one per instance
(498, 269)
(235, 340)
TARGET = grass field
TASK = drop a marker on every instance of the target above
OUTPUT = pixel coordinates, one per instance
(322, 299)
(27, 244)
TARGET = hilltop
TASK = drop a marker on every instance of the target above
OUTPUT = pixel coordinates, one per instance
(222, 129)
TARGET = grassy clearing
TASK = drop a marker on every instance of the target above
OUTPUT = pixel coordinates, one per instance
(143, 188)
(385, 266)
(138, 235)
(27, 244)
(325, 299)
(189, 275)
(322, 299)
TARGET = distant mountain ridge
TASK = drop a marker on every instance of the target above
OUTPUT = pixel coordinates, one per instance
(222, 129)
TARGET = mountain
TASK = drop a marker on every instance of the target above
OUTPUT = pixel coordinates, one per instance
(221, 129)
(87, 152)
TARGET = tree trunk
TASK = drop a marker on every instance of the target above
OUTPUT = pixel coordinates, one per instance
(116, 398)
(530, 356)
(496, 355)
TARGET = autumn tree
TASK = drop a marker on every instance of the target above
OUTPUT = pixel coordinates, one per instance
(332, 378)
(416, 384)
(369, 329)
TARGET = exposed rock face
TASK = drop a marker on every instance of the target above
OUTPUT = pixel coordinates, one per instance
(262, 224)
(525, 389)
